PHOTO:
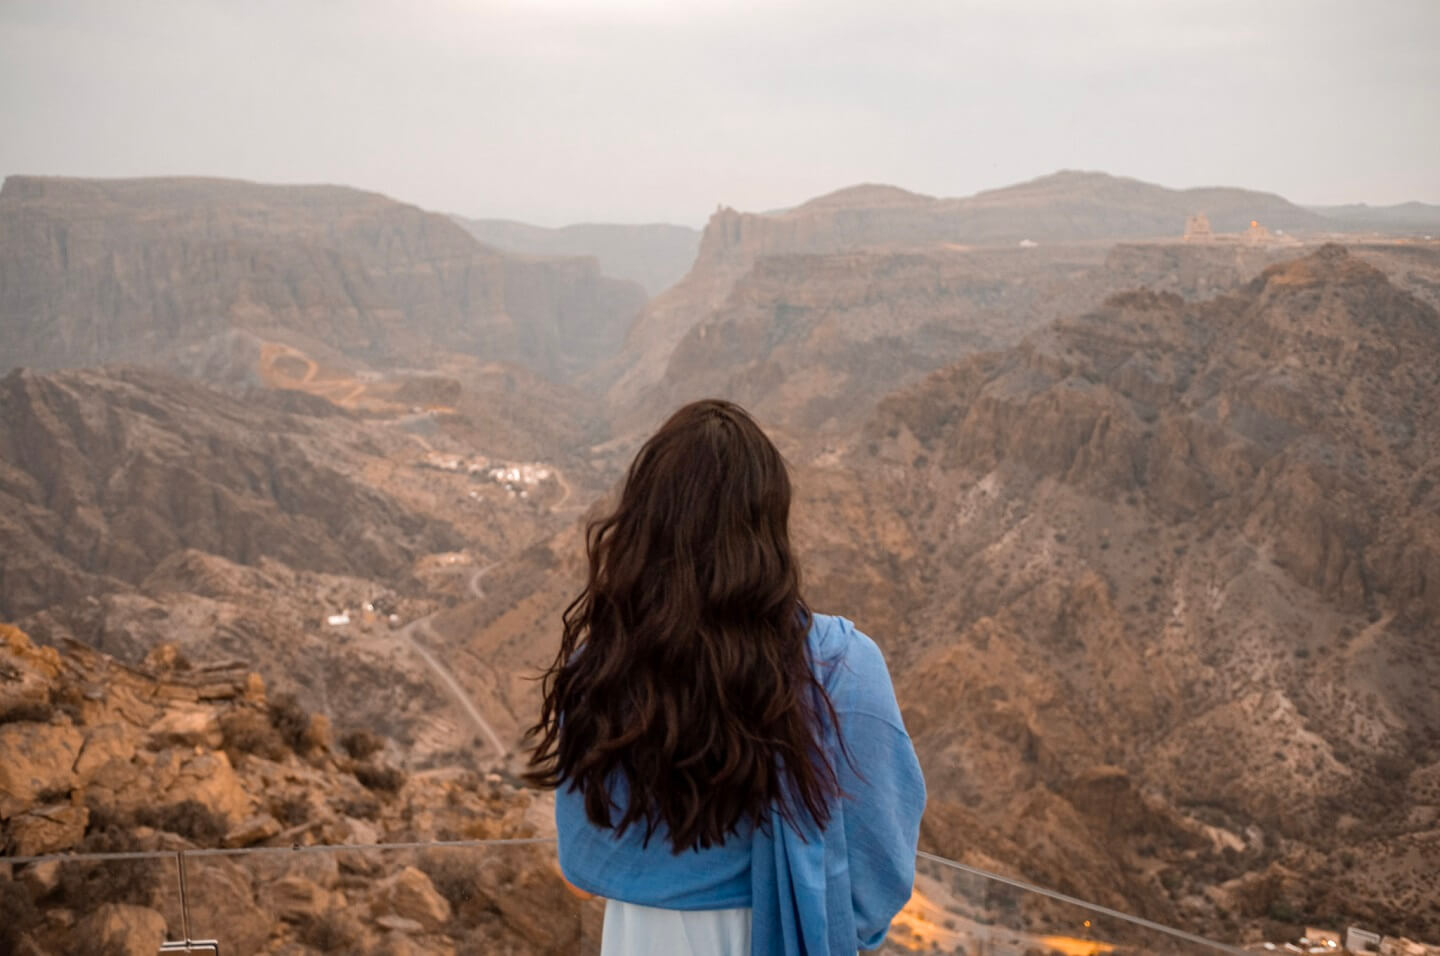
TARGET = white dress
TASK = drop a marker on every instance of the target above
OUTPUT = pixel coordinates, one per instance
(634, 930)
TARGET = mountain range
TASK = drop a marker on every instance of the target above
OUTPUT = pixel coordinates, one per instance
(1146, 527)
(170, 271)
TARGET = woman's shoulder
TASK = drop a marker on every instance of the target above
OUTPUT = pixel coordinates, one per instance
(849, 664)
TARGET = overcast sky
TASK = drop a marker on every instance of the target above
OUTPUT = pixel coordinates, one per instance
(556, 111)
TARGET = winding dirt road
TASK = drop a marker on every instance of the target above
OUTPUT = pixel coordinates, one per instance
(407, 635)
(475, 579)
(560, 479)
(422, 625)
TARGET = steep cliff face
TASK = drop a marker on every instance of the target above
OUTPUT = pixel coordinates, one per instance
(94, 271)
(107, 473)
(811, 342)
(1062, 207)
(656, 255)
(1197, 543)
(868, 229)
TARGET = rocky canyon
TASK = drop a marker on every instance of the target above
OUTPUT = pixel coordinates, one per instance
(295, 482)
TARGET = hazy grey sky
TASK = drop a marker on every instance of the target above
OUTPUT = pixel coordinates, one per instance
(556, 111)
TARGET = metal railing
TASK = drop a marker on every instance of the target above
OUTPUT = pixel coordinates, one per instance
(955, 908)
(1150, 926)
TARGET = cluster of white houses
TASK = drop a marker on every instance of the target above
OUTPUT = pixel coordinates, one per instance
(1356, 940)
(518, 479)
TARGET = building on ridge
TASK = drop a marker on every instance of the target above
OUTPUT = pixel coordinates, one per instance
(1197, 228)
(1257, 233)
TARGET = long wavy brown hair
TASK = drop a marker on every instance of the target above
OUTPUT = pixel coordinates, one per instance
(684, 671)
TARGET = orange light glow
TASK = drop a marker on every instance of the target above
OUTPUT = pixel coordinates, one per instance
(1253, 223)
(1070, 946)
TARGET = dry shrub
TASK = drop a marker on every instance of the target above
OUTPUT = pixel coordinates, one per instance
(247, 732)
(329, 932)
(363, 807)
(290, 721)
(33, 711)
(291, 811)
(84, 886)
(457, 880)
(381, 778)
(17, 914)
(362, 744)
(189, 818)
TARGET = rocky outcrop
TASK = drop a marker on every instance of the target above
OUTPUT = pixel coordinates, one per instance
(135, 791)
(1279, 403)
(1067, 206)
(813, 313)
(410, 895)
(143, 270)
(119, 929)
(36, 760)
(1175, 566)
(47, 829)
(104, 474)
(811, 342)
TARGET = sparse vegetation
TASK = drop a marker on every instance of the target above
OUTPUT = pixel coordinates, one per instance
(290, 721)
(189, 818)
(329, 932)
(36, 711)
(382, 778)
(84, 886)
(362, 744)
(362, 808)
(244, 731)
(17, 914)
(453, 877)
(291, 810)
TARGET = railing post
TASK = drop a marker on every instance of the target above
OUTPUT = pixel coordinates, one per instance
(184, 899)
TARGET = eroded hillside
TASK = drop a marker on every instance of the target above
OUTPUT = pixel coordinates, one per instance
(167, 271)
(274, 528)
(1147, 530)
(1173, 639)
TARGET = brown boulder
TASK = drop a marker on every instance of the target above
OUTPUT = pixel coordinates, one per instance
(222, 906)
(254, 687)
(252, 830)
(103, 744)
(46, 829)
(28, 674)
(35, 759)
(40, 878)
(297, 899)
(209, 779)
(533, 900)
(322, 869)
(197, 726)
(119, 929)
(410, 894)
(164, 658)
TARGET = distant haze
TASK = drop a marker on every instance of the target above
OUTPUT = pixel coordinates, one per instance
(559, 111)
